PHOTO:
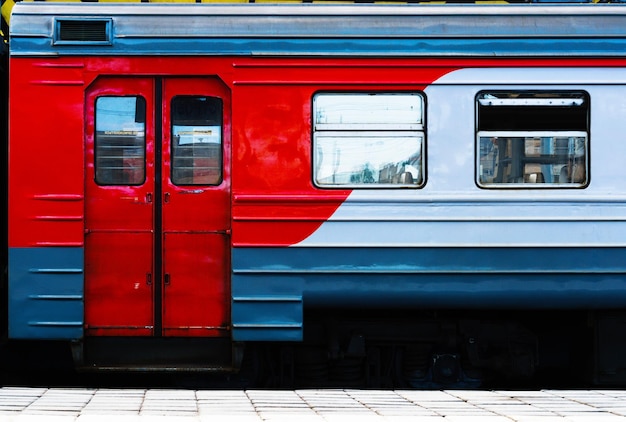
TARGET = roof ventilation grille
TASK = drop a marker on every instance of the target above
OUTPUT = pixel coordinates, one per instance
(83, 31)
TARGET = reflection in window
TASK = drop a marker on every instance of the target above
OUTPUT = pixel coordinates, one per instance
(120, 140)
(368, 140)
(533, 159)
(533, 139)
(196, 140)
(367, 159)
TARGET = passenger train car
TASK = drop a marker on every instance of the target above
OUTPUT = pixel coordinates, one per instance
(413, 195)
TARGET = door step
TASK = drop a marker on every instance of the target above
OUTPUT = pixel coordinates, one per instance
(120, 354)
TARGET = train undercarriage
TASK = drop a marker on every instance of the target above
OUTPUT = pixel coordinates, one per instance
(436, 350)
(430, 350)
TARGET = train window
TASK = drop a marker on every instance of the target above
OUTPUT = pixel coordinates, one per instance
(120, 143)
(532, 139)
(196, 140)
(363, 140)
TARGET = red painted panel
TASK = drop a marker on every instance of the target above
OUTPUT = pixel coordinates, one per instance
(195, 292)
(272, 181)
(118, 284)
(271, 119)
(46, 154)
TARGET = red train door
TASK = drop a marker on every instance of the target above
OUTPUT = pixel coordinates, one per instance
(157, 207)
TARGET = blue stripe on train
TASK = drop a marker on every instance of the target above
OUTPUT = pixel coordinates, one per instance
(46, 293)
(271, 286)
(389, 46)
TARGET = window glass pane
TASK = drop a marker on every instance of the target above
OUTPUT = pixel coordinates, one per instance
(343, 111)
(548, 159)
(368, 159)
(120, 141)
(368, 139)
(196, 140)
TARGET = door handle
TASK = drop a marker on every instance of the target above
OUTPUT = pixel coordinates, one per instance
(166, 197)
(166, 279)
(149, 198)
(149, 279)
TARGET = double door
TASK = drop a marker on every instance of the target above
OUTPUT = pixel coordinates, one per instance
(157, 212)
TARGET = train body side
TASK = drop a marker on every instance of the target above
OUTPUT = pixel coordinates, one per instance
(365, 248)
(291, 243)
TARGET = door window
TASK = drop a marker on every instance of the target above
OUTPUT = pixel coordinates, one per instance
(120, 141)
(196, 140)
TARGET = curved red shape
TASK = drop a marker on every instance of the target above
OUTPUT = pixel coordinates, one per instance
(274, 200)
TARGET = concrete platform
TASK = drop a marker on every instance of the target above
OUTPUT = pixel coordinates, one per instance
(23, 404)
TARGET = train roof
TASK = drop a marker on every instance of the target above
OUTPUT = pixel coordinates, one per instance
(406, 30)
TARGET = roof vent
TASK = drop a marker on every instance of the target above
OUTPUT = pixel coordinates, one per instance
(74, 31)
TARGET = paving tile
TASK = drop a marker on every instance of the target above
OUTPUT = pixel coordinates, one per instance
(16, 400)
(221, 395)
(43, 418)
(617, 410)
(596, 418)
(8, 409)
(286, 412)
(231, 418)
(414, 418)
(354, 412)
(337, 401)
(109, 412)
(225, 412)
(415, 413)
(519, 410)
(120, 405)
(162, 418)
(292, 418)
(429, 396)
(167, 413)
(537, 418)
(347, 417)
(477, 418)
(108, 417)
